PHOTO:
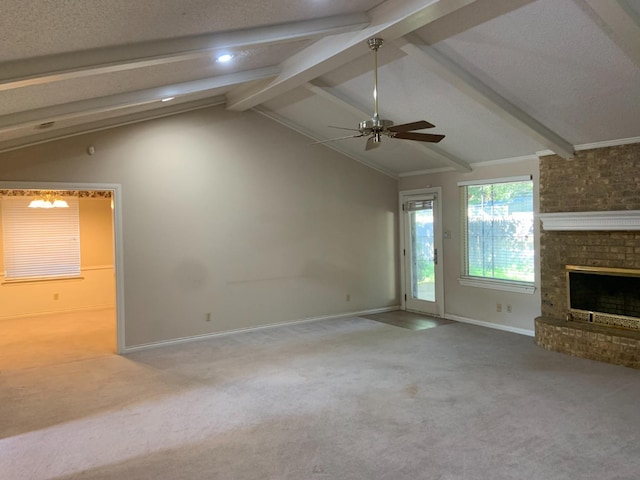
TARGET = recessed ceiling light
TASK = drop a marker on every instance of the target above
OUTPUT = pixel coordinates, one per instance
(168, 99)
(224, 58)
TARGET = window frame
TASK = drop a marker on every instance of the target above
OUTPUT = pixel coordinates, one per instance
(465, 279)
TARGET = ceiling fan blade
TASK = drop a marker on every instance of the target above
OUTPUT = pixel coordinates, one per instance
(344, 128)
(420, 137)
(406, 127)
(371, 143)
(338, 138)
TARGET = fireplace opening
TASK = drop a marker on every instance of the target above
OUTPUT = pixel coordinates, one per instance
(606, 296)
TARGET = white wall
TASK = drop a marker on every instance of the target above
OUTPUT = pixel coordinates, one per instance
(472, 302)
(233, 214)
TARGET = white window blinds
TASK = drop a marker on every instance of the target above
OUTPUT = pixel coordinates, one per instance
(415, 205)
(498, 238)
(39, 242)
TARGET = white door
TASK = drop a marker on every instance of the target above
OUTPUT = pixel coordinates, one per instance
(422, 253)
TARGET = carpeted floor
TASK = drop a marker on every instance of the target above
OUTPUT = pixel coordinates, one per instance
(38, 341)
(350, 399)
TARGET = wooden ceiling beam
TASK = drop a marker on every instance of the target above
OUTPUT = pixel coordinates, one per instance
(619, 21)
(390, 20)
(464, 81)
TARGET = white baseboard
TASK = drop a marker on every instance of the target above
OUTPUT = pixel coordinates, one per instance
(496, 326)
(178, 341)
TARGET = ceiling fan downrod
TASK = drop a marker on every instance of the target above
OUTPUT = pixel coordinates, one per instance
(375, 126)
(375, 44)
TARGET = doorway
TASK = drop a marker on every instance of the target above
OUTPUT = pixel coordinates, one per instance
(55, 320)
(421, 243)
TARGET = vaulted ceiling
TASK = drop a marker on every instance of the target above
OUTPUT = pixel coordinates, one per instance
(501, 79)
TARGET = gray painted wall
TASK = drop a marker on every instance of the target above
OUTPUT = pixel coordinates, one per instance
(473, 302)
(233, 214)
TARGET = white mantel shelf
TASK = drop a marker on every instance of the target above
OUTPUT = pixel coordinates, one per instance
(622, 220)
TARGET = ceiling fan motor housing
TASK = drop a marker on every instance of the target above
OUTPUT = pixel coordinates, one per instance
(374, 125)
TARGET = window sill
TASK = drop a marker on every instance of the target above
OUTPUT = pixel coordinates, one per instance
(506, 285)
(22, 281)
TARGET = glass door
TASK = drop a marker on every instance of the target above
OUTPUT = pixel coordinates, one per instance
(421, 251)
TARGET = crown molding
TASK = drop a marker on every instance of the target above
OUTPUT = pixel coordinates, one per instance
(592, 146)
(608, 143)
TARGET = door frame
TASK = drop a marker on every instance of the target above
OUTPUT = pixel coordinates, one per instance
(403, 196)
(116, 191)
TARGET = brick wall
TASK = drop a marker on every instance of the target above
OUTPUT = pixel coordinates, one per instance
(594, 180)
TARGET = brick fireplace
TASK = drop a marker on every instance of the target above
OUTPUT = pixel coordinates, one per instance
(599, 180)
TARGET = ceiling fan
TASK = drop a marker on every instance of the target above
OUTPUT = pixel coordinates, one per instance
(375, 127)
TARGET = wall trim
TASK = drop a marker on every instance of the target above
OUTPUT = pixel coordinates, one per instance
(608, 143)
(90, 308)
(429, 171)
(474, 166)
(495, 284)
(205, 336)
(504, 161)
(592, 146)
(495, 326)
(97, 267)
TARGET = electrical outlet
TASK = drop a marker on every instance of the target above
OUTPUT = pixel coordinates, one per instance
(498, 307)
(509, 308)
(347, 297)
(207, 317)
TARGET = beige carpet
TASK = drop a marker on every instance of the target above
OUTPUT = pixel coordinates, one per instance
(42, 340)
(348, 399)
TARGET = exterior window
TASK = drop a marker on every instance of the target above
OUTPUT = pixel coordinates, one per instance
(40, 242)
(498, 239)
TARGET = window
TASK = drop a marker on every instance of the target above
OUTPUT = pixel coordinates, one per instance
(498, 240)
(40, 242)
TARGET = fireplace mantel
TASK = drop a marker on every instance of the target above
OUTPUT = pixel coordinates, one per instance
(622, 220)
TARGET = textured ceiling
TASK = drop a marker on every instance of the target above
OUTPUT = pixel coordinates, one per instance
(34, 28)
(502, 79)
(562, 69)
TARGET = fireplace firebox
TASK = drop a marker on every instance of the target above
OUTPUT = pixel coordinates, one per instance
(604, 296)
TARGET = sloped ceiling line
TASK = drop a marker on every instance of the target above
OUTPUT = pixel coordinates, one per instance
(127, 100)
(428, 149)
(43, 70)
(452, 72)
(390, 20)
(90, 125)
